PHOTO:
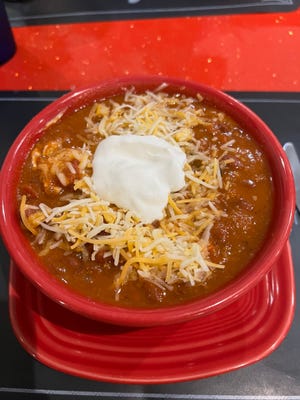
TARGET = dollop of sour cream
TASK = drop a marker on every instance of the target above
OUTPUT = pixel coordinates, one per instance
(138, 173)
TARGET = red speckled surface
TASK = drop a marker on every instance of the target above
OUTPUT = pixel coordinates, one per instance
(252, 52)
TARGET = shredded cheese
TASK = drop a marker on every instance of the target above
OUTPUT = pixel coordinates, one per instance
(176, 249)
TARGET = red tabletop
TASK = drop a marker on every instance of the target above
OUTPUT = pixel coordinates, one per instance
(252, 52)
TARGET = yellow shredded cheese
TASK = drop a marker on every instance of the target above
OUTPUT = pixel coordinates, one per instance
(176, 248)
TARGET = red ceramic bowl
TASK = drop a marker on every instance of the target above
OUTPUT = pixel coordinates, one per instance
(21, 252)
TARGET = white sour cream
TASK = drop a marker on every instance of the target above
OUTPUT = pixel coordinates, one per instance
(138, 173)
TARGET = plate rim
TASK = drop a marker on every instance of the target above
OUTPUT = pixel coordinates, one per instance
(265, 349)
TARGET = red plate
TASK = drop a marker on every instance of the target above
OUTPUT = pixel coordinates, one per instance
(240, 334)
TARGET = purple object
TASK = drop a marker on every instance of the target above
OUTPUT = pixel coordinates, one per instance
(7, 42)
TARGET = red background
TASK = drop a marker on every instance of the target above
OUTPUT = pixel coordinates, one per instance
(256, 52)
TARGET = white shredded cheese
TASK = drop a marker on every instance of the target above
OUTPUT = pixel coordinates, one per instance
(176, 250)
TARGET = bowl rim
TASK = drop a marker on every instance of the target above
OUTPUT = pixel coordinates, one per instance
(27, 262)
